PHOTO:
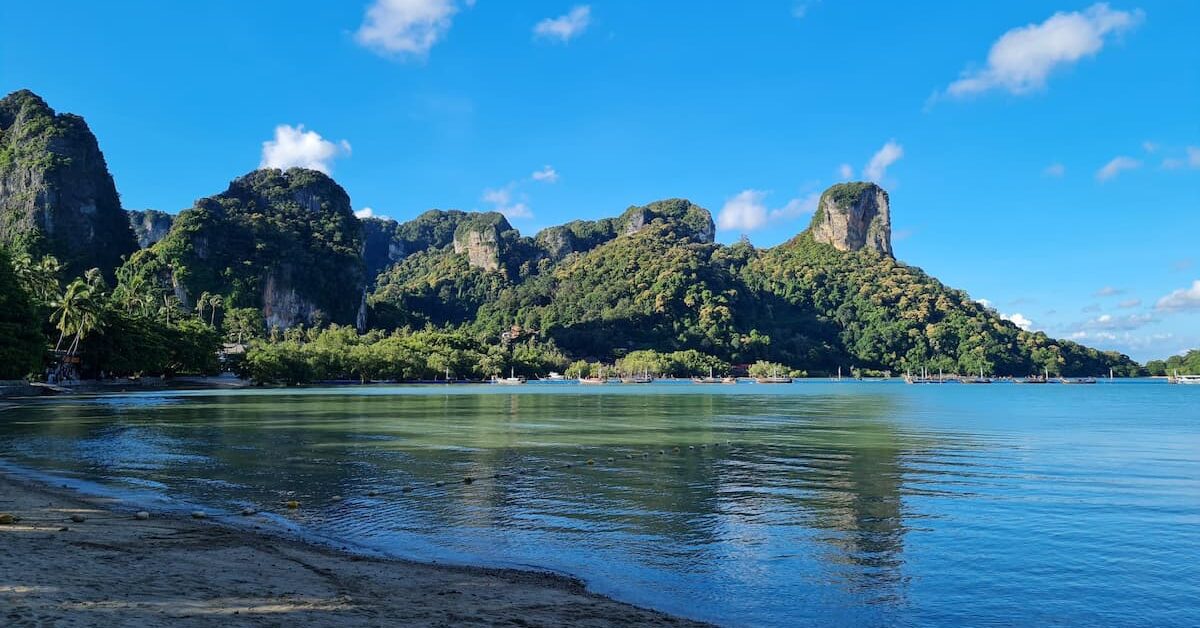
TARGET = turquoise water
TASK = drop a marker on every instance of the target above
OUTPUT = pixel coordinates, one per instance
(854, 503)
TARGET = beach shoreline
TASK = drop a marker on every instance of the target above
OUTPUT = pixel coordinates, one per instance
(112, 569)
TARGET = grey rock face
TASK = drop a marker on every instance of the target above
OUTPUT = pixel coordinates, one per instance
(481, 244)
(854, 216)
(56, 194)
(149, 225)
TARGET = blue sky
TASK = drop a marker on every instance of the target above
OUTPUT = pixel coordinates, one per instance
(1042, 156)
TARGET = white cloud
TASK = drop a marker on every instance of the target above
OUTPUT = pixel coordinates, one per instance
(1152, 344)
(884, 157)
(405, 27)
(1018, 319)
(1108, 291)
(984, 302)
(547, 174)
(1108, 322)
(565, 27)
(368, 212)
(295, 147)
(1192, 160)
(845, 172)
(502, 201)
(796, 207)
(1055, 170)
(1128, 303)
(1149, 146)
(1182, 299)
(1024, 57)
(747, 210)
(1117, 166)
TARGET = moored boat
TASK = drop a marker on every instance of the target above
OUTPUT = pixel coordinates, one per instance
(1176, 378)
(512, 380)
(976, 380)
(1077, 380)
(644, 378)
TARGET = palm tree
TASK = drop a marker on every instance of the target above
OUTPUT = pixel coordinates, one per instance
(66, 310)
(214, 302)
(202, 303)
(170, 304)
(39, 278)
(90, 319)
(79, 311)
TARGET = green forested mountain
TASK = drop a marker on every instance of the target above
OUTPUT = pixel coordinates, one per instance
(56, 195)
(283, 242)
(278, 257)
(653, 279)
(1187, 364)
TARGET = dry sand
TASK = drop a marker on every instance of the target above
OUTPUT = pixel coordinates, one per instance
(113, 570)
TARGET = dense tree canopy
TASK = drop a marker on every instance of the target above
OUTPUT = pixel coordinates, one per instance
(21, 342)
(1186, 364)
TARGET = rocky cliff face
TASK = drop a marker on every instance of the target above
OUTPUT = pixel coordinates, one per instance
(854, 216)
(149, 225)
(285, 242)
(483, 237)
(56, 194)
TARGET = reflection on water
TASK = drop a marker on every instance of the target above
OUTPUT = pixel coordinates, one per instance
(845, 504)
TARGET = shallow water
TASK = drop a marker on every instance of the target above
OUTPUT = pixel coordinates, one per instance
(853, 503)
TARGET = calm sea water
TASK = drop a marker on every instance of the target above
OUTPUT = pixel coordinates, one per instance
(855, 503)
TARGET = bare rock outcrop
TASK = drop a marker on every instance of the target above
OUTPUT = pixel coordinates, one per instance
(852, 217)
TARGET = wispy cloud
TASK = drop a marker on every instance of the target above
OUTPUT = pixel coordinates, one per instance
(293, 147)
(564, 28)
(1108, 291)
(1108, 322)
(801, 8)
(1116, 166)
(1191, 159)
(1128, 303)
(1181, 300)
(889, 154)
(405, 28)
(845, 172)
(547, 174)
(1054, 170)
(1183, 264)
(1023, 58)
(502, 200)
(747, 210)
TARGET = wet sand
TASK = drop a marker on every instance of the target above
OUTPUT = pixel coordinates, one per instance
(115, 570)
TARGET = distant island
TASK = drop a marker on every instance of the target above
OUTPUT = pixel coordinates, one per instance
(277, 279)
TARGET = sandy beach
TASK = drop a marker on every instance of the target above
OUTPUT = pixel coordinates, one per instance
(115, 570)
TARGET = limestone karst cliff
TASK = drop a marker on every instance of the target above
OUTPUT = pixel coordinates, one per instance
(854, 216)
(56, 194)
(284, 242)
(149, 225)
